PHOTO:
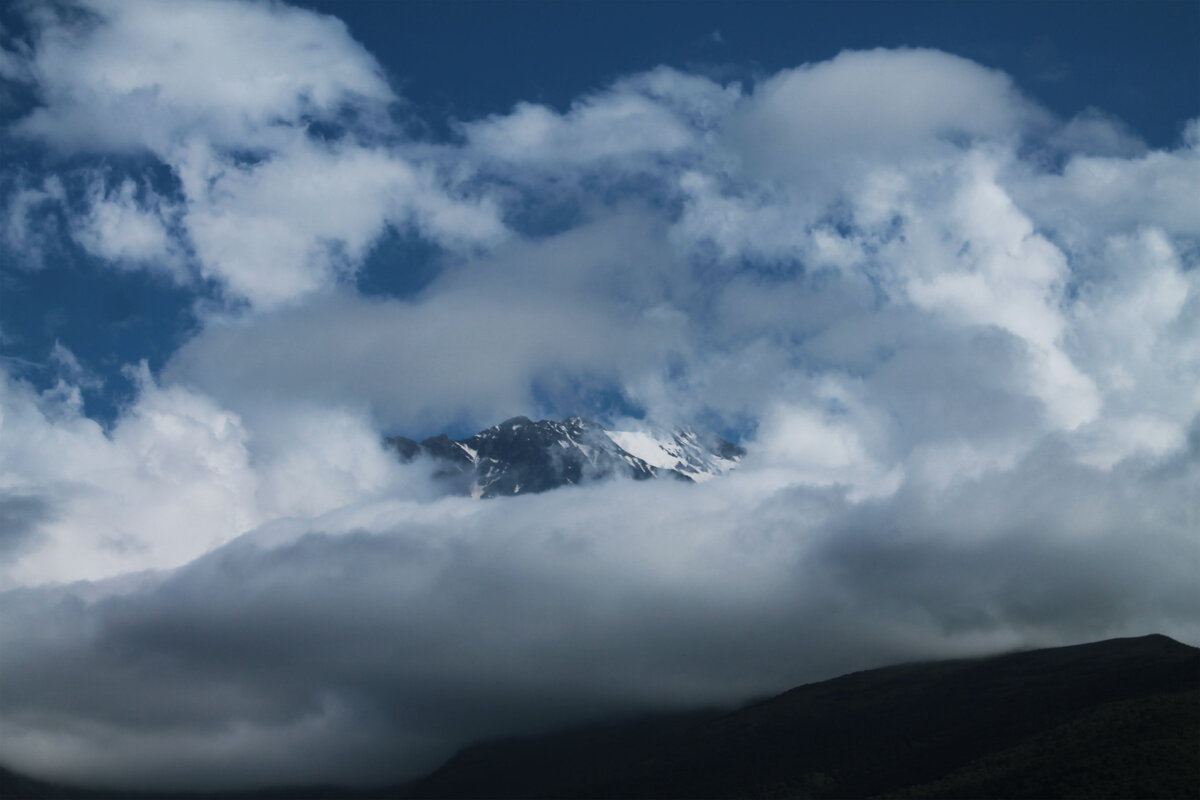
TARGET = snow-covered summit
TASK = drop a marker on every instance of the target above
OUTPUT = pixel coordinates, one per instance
(520, 456)
(684, 452)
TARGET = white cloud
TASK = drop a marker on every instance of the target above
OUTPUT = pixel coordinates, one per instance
(223, 94)
(1095, 196)
(175, 477)
(620, 127)
(168, 486)
(130, 75)
(1136, 327)
(126, 225)
(71, 369)
(972, 255)
(1094, 133)
(1115, 440)
(656, 114)
(811, 446)
(296, 222)
(472, 346)
(763, 226)
(30, 229)
(866, 106)
(131, 232)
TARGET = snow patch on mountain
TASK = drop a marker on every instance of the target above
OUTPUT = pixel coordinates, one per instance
(644, 446)
(520, 456)
(682, 452)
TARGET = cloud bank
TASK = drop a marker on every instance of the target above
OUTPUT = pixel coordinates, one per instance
(959, 337)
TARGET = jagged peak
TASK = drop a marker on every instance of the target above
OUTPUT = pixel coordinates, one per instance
(521, 455)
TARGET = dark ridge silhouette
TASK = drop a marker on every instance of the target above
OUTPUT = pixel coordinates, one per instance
(971, 724)
(1118, 718)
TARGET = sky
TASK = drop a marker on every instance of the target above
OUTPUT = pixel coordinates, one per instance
(935, 266)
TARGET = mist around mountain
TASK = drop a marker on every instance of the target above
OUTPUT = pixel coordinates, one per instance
(520, 456)
(1111, 719)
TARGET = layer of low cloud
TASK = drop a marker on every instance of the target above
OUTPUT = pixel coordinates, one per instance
(368, 643)
(960, 338)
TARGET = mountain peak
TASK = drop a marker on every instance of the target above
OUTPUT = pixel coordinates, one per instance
(521, 456)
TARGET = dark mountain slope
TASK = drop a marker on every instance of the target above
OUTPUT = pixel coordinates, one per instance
(1143, 747)
(892, 730)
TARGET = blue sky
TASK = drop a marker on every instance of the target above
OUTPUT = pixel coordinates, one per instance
(933, 264)
(471, 59)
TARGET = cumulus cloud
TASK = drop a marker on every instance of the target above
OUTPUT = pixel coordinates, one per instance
(293, 224)
(175, 477)
(121, 76)
(654, 115)
(227, 95)
(128, 230)
(1098, 195)
(865, 106)
(1092, 132)
(958, 337)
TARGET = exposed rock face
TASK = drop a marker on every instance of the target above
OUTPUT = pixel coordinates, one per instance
(520, 456)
